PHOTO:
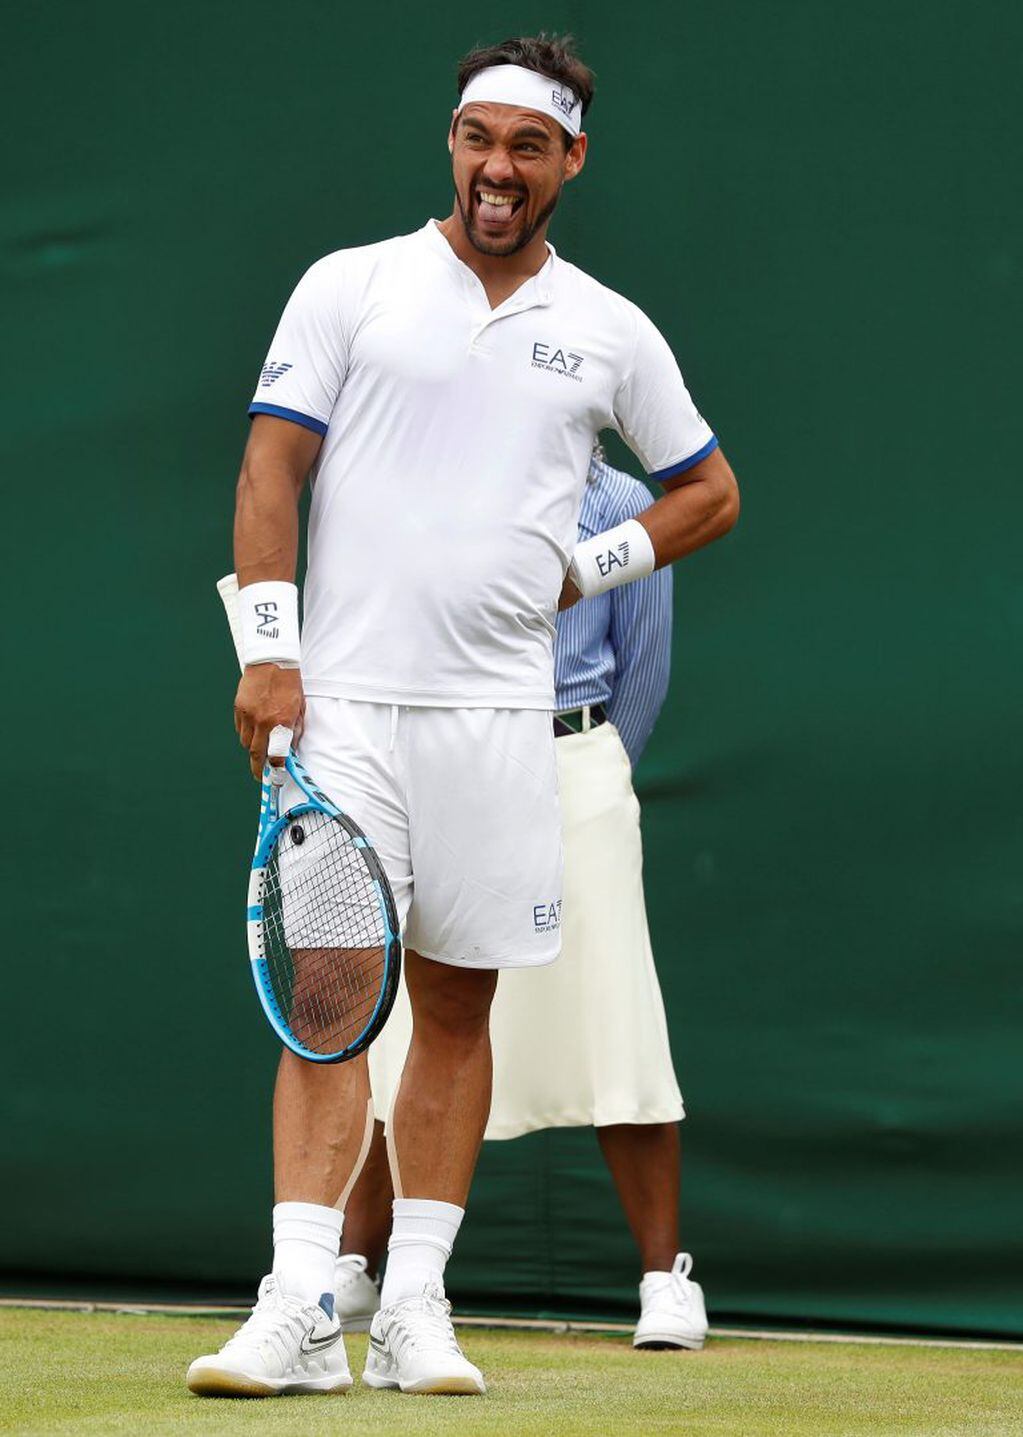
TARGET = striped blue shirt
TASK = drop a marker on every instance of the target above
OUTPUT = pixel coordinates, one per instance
(615, 649)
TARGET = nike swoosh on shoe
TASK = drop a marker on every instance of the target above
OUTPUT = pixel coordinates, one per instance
(318, 1344)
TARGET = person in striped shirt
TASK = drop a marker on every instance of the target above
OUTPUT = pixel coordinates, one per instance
(612, 663)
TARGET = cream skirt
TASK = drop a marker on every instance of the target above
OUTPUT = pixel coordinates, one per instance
(583, 1042)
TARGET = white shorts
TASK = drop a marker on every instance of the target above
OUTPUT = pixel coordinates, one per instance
(462, 807)
(584, 1042)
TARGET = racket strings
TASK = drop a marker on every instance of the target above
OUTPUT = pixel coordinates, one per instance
(324, 937)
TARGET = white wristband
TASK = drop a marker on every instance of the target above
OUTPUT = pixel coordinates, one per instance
(615, 557)
(269, 615)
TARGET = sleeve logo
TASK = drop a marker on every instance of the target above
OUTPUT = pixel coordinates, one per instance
(271, 372)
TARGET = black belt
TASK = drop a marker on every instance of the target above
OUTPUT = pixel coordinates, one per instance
(574, 721)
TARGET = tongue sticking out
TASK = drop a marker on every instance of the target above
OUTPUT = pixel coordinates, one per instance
(496, 214)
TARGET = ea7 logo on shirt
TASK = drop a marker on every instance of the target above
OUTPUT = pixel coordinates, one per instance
(271, 372)
(546, 917)
(266, 614)
(557, 361)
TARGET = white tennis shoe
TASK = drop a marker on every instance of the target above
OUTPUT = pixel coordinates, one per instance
(412, 1345)
(285, 1346)
(673, 1313)
(356, 1295)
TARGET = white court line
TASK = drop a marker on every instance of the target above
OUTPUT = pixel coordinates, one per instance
(868, 1340)
(529, 1324)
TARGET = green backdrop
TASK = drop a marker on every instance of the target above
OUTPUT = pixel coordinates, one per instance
(820, 205)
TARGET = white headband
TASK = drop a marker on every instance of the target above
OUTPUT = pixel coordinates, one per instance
(515, 85)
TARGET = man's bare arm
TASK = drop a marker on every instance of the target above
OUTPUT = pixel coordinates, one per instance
(275, 465)
(277, 461)
(698, 507)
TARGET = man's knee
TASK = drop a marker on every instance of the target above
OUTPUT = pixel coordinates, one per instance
(455, 999)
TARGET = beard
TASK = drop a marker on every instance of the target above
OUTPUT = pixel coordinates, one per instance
(513, 243)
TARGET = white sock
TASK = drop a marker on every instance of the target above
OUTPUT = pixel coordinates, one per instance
(422, 1237)
(306, 1240)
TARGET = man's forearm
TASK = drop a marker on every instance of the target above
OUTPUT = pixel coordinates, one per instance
(265, 555)
(278, 457)
(265, 524)
(702, 507)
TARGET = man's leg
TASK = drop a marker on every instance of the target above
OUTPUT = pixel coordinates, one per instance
(293, 1342)
(434, 1137)
(440, 1112)
(320, 1117)
(322, 1113)
(319, 1127)
(644, 1160)
(368, 1210)
(443, 1099)
(364, 1239)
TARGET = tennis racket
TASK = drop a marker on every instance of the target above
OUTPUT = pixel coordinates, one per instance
(321, 919)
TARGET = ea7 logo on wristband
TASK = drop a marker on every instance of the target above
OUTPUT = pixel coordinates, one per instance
(266, 613)
(616, 558)
(557, 361)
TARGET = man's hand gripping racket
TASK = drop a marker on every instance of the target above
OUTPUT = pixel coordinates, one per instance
(321, 919)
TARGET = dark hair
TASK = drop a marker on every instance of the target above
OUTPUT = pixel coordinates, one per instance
(552, 55)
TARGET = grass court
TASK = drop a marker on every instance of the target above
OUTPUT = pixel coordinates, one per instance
(82, 1373)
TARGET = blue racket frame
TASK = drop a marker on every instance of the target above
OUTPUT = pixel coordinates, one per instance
(271, 824)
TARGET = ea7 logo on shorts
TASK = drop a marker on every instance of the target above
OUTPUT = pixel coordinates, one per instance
(546, 917)
(271, 372)
(557, 361)
(266, 613)
(616, 558)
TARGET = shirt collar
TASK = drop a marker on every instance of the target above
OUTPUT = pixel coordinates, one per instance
(542, 282)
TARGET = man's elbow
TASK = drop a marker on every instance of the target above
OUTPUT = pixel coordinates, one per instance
(725, 502)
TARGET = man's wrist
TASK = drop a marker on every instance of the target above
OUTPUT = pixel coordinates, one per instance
(618, 556)
(269, 620)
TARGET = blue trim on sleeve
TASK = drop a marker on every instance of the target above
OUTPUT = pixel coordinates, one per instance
(683, 464)
(316, 425)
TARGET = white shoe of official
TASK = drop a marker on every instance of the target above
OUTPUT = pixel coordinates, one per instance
(673, 1312)
(356, 1295)
(412, 1345)
(285, 1346)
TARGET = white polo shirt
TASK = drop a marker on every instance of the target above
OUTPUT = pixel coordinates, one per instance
(456, 442)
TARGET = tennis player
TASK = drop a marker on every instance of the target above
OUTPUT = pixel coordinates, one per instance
(584, 1041)
(443, 389)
